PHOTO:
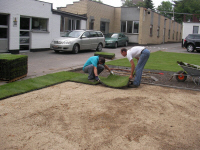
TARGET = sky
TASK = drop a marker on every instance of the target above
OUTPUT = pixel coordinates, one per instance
(115, 3)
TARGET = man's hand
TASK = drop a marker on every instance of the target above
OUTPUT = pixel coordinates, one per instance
(97, 78)
(111, 72)
(131, 76)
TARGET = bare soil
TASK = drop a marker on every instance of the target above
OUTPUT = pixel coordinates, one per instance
(77, 116)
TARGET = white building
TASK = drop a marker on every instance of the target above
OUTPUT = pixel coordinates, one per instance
(31, 25)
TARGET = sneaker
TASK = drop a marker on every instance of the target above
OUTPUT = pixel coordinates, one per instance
(133, 86)
(91, 80)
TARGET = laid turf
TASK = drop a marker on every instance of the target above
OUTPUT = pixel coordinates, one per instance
(165, 61)
(20, 87)
(105, 55)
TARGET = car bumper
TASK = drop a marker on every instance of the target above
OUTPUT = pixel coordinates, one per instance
(61, 47)
(110, 45)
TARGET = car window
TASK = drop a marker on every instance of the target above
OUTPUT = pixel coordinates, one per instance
(190, 36)
(74, 34)
(197, 37)
(93, 34)
(99, 34)
(86, 35)
(112, 35)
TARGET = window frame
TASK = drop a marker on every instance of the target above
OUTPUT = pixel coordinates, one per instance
(132, 24)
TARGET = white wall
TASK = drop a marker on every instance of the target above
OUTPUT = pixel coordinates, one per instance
(83, 24)
(188, 28)
(30, 8)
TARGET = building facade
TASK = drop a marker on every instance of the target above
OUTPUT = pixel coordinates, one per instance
(142, 26)
(31, 25)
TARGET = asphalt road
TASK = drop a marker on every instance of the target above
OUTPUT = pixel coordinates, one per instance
(45, 62)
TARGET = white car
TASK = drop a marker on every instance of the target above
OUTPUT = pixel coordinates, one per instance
(77, 40)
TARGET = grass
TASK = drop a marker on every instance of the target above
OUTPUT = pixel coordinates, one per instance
(165, 61)
(105, 55)
(158, 61)
(20, 87)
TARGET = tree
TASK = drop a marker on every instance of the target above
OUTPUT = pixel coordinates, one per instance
(186, 6)
(165, 8)
(149, 4)
(128, 3)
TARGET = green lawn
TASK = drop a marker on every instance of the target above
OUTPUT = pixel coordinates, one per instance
(158, 61)
(165, 61)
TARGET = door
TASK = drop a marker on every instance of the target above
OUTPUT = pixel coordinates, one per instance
(24, 43)
(93, 40)
(121, 40)
(85, 41)
(4, 33)
(197, 41)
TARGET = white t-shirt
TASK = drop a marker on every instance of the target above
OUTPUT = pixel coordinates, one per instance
(134, 52)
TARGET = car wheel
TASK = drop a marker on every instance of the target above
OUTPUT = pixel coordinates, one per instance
(126, 44)
(56, 51)
(99, 47)
(75, 49)
(190, 48)
(116, 45)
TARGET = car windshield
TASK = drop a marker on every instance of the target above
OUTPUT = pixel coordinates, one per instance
(111, 35)
(74, 34)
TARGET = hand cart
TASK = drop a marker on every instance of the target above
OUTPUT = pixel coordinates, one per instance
(189, 70)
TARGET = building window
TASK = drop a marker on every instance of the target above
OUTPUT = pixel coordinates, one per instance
(176, 35)
(158, 32)
(39, 24)
(169, 34)
(130, 26)
(195, 29)
(173, 36)
(103, 27)
(151, 30)
(136, 27)
(123, 26)
(24, 23)
(91, 26)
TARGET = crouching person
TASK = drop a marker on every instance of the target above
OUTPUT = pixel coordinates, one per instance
(94, 66)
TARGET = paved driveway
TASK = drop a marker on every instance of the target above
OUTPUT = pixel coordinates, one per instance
(41, 63)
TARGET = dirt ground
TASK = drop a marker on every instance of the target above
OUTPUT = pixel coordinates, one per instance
(77, 116)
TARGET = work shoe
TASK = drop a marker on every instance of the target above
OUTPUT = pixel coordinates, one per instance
(133, 86)
(91, 80)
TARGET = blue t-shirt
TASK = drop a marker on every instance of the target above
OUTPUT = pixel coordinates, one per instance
(92, 60)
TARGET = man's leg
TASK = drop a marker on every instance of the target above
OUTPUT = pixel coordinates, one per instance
(140, 66)
(90, 70)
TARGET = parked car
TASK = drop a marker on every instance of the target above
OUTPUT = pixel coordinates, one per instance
(77, 40)
(192, 42)
(116, 39)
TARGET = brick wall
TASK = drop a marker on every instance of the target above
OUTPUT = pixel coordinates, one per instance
(144, 29)
(101, 11)
(76, 8)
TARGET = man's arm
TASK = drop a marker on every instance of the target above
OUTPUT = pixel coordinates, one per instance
(95, 71)
(107, 68)
(132, 68)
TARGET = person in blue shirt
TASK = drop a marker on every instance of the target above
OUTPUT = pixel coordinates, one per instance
(94, 66)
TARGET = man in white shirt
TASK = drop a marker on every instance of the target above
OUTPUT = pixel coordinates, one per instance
(142, 55)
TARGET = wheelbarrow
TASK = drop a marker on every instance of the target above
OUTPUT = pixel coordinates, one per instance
(189, 70)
